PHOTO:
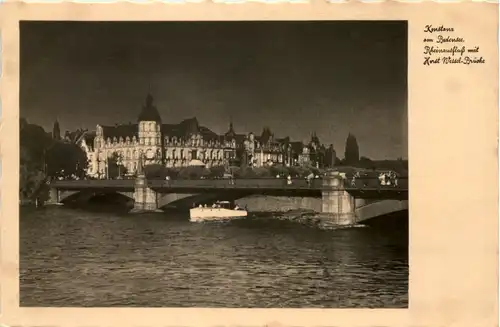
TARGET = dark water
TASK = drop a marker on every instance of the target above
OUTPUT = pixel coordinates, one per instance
(81, 258)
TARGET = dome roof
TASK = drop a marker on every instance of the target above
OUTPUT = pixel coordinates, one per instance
(149, 111)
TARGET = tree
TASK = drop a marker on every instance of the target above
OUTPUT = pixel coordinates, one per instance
(65, 160)
(173, 172)
(155, 171)
(365, 162)
(279, 170)
(33, 143)
(193, 172)
(115, 166)
(351, 150)
(217, 171)
(299, 171)
(262, 172)
(241, 157)
(245, 173)
(30, 180)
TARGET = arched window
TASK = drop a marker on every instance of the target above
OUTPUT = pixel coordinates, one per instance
(147, 140)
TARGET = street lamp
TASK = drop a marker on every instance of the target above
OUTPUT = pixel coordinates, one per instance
(119, 163)
(107, 167)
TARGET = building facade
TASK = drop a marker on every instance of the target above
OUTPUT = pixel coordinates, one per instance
(185, 144)
(172, 145)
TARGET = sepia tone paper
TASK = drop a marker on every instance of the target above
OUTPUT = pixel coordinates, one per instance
(452, 145)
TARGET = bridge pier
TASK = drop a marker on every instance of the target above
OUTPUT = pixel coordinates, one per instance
(338, 206)
(54, 196)
(145, 199)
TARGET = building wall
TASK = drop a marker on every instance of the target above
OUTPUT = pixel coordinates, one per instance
(175, 151)
(170, 151)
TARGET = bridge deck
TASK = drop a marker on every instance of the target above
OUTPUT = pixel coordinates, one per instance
(362, 188)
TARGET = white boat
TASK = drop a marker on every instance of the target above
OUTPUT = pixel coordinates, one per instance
(221, 210)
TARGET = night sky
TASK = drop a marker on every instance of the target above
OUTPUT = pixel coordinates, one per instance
(295, 77)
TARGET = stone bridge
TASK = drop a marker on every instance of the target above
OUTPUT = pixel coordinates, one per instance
(332, 195)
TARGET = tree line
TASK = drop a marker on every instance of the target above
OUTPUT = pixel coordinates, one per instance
(42, 157)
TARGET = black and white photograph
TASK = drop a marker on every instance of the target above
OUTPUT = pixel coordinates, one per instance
(214, 164)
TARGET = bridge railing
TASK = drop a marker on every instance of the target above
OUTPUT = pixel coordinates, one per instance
(88, 183)
(235, 183)
(257, 183)
(374, 182)
(273, 183)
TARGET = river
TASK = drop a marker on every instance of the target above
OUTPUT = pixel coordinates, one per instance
(86, 258)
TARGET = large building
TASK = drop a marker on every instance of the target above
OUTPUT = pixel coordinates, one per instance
(184, 144)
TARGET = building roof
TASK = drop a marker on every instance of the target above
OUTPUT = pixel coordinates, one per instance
(89, 138)
(118, 131)
(297, 146)
(240, 138)
(189, 127)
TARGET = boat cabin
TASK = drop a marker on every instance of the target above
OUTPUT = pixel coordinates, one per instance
(224, 204)
(220, 205)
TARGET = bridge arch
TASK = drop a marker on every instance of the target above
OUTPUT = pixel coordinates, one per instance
(380, 208)
(82, 196)
(186, 200)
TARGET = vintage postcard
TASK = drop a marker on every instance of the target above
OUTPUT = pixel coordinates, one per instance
(307, 164)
